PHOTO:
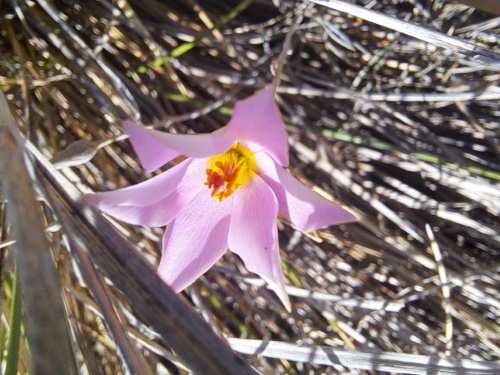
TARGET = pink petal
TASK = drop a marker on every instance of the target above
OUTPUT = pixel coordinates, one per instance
(157, 201)
(253, 234)
(155, 148)
(152, 153)
(297, 203)
(257, 119)
(195, 240)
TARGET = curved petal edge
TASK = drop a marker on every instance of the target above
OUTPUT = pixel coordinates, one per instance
(257, 119)
(299, 204)
(155, 148)
(253, 234)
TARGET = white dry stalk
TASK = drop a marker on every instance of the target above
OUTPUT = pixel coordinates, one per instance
(445, 288)
(397, 363)
(422, 33)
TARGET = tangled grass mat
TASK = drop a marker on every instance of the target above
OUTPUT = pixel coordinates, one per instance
(396, 119)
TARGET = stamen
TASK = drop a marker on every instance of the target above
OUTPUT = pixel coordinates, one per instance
(230, 171)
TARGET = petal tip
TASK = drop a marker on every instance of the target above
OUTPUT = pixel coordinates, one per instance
(128, 124)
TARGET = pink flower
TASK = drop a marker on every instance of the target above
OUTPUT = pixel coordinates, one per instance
(226, 194)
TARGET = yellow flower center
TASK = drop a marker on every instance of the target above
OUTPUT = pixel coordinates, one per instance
(230, 171)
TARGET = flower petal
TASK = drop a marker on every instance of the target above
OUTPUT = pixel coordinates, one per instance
(253, 234)
(155, 148)
(195, 240)
(157, 201)
(152, 153)
(257, 119)
(297, 203)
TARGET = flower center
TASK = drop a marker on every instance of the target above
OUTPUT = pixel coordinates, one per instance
(230, 171)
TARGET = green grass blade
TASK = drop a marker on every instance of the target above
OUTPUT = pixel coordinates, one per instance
(419, 155)
(15, 328)
(188, 46)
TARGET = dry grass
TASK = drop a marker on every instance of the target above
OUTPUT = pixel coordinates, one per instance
(403, 133)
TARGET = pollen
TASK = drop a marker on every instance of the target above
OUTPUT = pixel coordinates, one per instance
(230, 171)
